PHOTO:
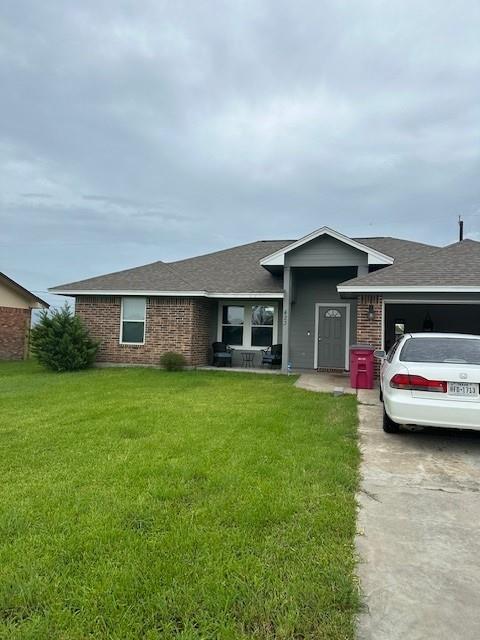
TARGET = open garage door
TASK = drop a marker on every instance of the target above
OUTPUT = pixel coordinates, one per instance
(406, 317)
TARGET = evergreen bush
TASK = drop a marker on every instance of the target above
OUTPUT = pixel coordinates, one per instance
(60, 342)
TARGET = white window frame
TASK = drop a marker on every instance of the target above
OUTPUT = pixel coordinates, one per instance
(121, 341)
(247, 323)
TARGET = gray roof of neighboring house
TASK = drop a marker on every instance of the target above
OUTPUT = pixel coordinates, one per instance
(457, 265)
(235, 270)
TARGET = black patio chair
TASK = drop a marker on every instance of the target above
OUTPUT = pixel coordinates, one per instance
(272, 355)
(222, 354)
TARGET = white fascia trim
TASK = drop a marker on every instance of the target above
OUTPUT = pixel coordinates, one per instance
(190, 294)
(410, 289)
(273, 296)
(123, 292)
(278, 258)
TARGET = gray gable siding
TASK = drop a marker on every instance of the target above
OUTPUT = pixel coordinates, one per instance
(325, 251)
(310, 286)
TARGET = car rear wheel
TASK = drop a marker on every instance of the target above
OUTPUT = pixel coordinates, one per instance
(389, 426)
(380, 395)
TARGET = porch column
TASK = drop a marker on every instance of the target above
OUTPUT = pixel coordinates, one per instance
(370, 322)
(287, 292)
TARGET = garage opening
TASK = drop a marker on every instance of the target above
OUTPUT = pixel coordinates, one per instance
(409, 317)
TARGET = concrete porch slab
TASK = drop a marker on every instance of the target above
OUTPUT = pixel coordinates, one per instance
(241, 369)
(325, 382)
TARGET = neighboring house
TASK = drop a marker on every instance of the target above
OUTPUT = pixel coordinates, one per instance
(16, 304)
(316, 296)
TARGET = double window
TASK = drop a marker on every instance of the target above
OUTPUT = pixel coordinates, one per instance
(132, 329)
(250, 325)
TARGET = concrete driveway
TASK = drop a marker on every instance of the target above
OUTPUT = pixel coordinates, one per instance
(418, 531)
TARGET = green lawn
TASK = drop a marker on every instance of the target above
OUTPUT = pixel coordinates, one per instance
(141, 504)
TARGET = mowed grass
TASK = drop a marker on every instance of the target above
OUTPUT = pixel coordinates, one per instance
(137, 503)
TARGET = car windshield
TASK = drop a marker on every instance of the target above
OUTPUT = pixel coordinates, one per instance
(453, 350)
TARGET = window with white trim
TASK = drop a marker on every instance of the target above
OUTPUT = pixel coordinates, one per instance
(248, 325)
(132, 329)
(233, 317)
(262, 325)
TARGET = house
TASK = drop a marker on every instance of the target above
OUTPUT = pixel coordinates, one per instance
(316, 295)
(16, 304)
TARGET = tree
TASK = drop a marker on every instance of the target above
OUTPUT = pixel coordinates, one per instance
(60, 341)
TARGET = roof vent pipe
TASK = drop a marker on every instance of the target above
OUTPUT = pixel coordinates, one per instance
(460, 228)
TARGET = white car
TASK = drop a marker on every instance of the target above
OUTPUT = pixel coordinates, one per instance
(431, 379)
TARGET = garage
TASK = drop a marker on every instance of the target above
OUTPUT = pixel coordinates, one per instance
(411, 316)
(432, 290)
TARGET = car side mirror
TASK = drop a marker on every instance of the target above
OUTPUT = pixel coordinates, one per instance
(380, 354)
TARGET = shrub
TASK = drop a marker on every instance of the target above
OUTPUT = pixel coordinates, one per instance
(173, 361)
(60, 342)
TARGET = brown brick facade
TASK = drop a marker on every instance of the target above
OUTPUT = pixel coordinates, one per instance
(14, 332)
(370, 331)
(172, 324)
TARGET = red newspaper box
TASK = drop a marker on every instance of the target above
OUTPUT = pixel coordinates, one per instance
(361, 366)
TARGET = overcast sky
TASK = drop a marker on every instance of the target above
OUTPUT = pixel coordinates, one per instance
(137, 131)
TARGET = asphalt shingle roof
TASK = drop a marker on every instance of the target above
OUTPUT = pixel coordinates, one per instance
(456, 265)
(397, 248)
(235, 270)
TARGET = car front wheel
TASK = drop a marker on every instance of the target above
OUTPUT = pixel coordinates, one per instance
(389, 426)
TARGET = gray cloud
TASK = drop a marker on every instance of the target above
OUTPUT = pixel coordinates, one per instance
(134, 132)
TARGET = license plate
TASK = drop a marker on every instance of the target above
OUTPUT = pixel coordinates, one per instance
(463, 388)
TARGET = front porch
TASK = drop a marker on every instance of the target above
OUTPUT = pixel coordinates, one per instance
(320, 382)
(236, 369)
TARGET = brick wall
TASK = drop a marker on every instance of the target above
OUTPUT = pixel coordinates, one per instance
(172, 324)
(370, 331)
(14, 331)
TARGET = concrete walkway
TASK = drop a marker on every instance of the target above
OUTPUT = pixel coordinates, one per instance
(418, 535)
(325, 382)
(418, 532)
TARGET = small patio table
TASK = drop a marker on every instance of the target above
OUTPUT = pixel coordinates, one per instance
(247, 358)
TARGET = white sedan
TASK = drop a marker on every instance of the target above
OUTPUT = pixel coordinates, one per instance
(431, 379)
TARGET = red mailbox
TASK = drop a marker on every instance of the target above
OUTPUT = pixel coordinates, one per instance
(362, 366)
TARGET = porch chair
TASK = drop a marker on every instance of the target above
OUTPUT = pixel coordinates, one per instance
(222, 354)
(272, 355)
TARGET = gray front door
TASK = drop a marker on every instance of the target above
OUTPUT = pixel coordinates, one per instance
(332, 324)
